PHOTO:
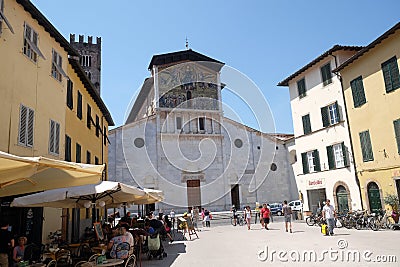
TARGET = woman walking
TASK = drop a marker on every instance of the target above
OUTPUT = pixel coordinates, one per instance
(247, 216)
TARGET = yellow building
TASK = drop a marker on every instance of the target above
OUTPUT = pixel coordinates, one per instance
(371, 83)
(39, 73)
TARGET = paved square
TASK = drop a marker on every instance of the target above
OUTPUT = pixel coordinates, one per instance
(227, 245)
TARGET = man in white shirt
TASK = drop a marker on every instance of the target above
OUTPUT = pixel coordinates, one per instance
(329, 214)
(172, 217)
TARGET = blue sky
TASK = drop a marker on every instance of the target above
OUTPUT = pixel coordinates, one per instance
(265, 40)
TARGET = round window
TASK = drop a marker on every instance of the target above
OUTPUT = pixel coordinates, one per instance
(139, 142)
(238, 143)
(274, 167)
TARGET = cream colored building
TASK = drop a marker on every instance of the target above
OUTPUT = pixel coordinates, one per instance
(37, 67)
(371, 83)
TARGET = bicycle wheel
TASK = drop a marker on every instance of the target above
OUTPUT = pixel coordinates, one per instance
(310, 221)
(390, 222)
(373, 224)
(241, 221)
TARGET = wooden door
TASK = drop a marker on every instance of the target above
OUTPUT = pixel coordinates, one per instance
(374, 197)
(193, 193)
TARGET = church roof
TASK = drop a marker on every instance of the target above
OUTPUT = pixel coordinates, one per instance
(179, 56)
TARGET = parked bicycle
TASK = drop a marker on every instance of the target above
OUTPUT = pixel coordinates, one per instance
(239, 220)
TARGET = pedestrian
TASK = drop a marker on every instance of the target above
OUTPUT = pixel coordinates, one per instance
(6, 243)
(195, 217)
(234, 211)
(265, 214)
(202, 216)
(172, 216)
(329, 214)
(18, 252)
(207, 218)
(287, 213)
(257, 212)
(247, 216)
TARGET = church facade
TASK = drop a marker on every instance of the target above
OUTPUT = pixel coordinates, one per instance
(176, 139)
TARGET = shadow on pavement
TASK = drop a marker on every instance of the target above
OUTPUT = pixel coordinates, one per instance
(172, 249)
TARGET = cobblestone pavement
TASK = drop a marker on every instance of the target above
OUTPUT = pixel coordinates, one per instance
(226, 245)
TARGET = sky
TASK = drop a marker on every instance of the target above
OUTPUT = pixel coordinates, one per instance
(265, 40)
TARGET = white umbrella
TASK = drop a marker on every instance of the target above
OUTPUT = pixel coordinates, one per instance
(111, 194)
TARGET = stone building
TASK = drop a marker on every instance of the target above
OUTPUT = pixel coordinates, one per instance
(90, 57)
(177, 139)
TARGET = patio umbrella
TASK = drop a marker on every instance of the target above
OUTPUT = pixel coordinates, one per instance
(21, 175)
(106, 193)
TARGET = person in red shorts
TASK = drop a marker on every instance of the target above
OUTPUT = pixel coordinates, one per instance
(265, 215)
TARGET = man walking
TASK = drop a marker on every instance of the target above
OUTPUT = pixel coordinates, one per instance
(329, 214)
(265, 215)
(287, 213)
(6, 243)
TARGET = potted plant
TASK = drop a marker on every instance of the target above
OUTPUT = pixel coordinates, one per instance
(393, 201)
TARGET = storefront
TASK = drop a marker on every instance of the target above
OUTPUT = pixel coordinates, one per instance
(316, 193)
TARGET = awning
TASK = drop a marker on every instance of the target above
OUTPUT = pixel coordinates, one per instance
(106, 193)
(21, 175)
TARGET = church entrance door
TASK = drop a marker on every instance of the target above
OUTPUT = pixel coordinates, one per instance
(235, 196)
(193, 193)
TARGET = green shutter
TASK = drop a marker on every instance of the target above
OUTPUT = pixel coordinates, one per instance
(345, 157)
(357, 89)
(331, 157)
(326, 74)
(397, 133)
(366, 147)
(301, 88)
(306, 124)
(391, 75)
(325, 116)
(305, 162)
(317, 164)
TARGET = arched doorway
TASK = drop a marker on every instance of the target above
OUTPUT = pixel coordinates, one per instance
(342, 199)
(374, 197)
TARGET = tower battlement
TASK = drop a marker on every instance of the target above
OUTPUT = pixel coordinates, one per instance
(81, 39)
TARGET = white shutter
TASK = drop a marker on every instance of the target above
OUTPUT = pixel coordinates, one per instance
(22, 125)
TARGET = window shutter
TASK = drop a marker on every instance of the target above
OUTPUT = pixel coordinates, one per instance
(67, 148)
(89, 116)
(325, 116)
(78, 153)
(331, 157)
(31, 116)
(317, 164)
(305, 163)
(306, 124)
(357, 89)
(52, 137)
(387, 78)
(301, 88)
(391, 75)
(397, 133)
(70, 101)
(394, 73)
(366, 147)
(345, 157)
(97, 126)
(79, 110)
(326, 74)
(22, 125)
(57, 139)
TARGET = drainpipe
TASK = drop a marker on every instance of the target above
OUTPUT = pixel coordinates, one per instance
(350, 138)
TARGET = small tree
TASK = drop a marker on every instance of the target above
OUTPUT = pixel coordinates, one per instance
(392, 200)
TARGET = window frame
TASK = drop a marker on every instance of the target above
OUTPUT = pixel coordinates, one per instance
(328, 118)
(57, 71)
(31, 49)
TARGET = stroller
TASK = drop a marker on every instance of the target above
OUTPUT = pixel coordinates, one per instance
(155, 248)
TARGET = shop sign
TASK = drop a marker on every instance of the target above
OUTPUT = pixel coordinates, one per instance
(315, 183)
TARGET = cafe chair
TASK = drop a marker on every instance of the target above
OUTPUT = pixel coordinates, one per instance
(32, 253)
(63, 258)
(84, 264)
(123, 251)
(51, 263)
(84, 252)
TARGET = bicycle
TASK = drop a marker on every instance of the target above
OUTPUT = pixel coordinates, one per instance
(239, 220)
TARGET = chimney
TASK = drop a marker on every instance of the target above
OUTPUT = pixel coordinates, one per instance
(90, 39)
(71, 38)
(81, 38)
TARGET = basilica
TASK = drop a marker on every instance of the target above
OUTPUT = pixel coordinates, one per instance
(177, 139)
